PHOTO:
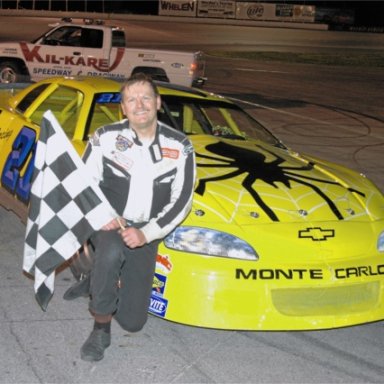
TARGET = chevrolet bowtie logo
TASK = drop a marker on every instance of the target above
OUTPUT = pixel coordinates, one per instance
(316, 234)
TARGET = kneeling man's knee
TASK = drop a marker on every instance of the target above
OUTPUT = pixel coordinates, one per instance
(132, 325)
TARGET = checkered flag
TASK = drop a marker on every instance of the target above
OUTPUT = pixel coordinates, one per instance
(66, 207)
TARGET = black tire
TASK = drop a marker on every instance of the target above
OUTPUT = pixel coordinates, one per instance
(11, 72)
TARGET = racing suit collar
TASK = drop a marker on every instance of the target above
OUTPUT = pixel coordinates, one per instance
(154, 147)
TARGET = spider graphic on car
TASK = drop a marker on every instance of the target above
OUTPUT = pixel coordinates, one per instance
(253, 164)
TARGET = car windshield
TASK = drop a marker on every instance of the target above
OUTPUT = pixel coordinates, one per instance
(190, 115)
(218, 118)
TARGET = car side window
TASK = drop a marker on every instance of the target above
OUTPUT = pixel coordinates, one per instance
(30, 98)
(168, 116)
(64, 36)
(65, 103)
(182, 116)
(118, 38)
(92, 38)
(105, 110)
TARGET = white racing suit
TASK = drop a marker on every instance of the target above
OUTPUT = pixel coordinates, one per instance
(151, 186)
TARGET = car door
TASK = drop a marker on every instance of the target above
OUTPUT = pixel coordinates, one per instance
(97, 52)
(58, 53)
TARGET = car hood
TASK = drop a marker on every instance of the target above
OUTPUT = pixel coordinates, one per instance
(239, 181)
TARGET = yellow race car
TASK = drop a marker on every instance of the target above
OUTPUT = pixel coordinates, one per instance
(275, 240)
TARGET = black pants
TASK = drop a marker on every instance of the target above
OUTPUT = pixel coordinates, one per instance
(134, 268)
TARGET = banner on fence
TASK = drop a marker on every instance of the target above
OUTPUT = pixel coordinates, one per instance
(227, 9)
(178, 8)
(275, 12)
(220, 9)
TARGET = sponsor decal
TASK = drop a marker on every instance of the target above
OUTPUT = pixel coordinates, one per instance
(172, 6)
(152, 60)
(109, 75)
(316, 234)
(158, 284)
(255, 11)
(147, 56)
(123, 143)
(51, 72)
(122, 160)
(158, 306)
(284, 10)
(12, 51)
(187, 150)
(100, 64)
(108, 98)
(308, 273)
(170, 153)
(5, 135)
(163, 263)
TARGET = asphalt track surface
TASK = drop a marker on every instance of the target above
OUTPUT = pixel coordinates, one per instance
(331, 112)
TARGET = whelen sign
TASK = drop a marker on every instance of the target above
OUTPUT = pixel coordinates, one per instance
(177, 8)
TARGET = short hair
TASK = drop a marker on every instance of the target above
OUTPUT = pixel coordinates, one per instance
(139, 77)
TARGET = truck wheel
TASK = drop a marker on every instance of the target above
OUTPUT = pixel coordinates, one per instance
(10, 73)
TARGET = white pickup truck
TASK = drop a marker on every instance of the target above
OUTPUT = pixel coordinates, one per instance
(70, 49)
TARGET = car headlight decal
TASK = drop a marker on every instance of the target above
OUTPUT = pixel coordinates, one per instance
(209, 242)
(380, 242)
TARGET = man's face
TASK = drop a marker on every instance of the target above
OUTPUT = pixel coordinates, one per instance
(140, 105)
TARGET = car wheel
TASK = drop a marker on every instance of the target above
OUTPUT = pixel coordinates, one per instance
(10, 73)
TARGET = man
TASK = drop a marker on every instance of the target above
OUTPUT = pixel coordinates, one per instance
(146, 170)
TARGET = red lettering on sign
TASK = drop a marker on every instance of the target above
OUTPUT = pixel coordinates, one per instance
(54, 60)
(119, 56)
(99, 64)
(92, 61)
(68, 60)
(81, 61)
(30, 55)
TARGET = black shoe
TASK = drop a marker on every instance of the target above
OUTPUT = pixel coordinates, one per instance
(80, 288)
(94, 347)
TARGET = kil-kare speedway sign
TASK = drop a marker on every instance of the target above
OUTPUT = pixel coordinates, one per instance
(238, 10)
